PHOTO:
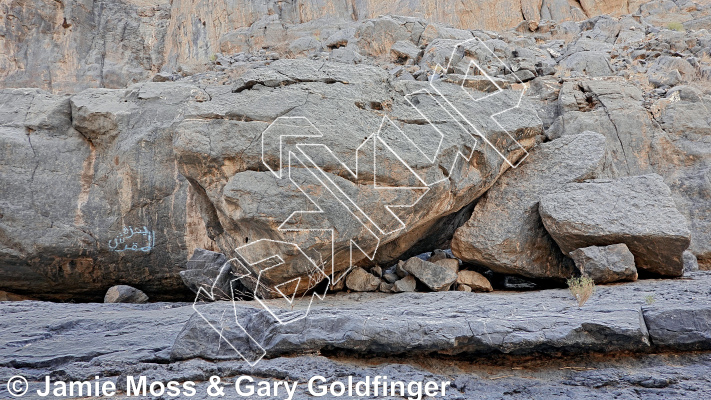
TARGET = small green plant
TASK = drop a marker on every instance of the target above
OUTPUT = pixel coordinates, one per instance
(213, 58)
(676, 26)
(649, 299)
(581, 288)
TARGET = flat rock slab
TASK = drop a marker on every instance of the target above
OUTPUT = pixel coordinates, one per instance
(546, 321)
(412, 323)
(105, 337)
(45, 335)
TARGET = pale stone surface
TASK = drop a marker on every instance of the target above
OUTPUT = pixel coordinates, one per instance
(361, 280)
(434, 276)
(474, 280)
(451, 264)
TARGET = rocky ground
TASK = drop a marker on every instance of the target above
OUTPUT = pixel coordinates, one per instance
(647, 339)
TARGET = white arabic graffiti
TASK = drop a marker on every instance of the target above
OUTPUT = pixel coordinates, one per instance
(133, 239)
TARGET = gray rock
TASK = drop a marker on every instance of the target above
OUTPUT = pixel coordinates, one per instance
(385, 287)
(691, 264)
(377, 271)
(200, 180)
(91, 339)
(405, 49)
(406, 284)
(125, 294)
(637, 211)
(451, 264)
(163, 77)
(665, 141)
(522, 75)
(606, 264)
(545, 321)
(679, 326)
(339, 38)
(240, 195)
(70, 333)
(304, 44)
(210, 271)
(390, 277)
(434, 276)
(590, 63)
(474, 280)
(97, 205)
(505, 232)
(437, 255)
(361, 280)
(399, 270)
(670, 71)
(346, 55)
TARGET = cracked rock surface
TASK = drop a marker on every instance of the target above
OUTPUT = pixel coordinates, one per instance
(115, 340)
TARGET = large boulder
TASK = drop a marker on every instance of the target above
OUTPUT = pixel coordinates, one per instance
(505, 232)
(637, 211)
(257, 196)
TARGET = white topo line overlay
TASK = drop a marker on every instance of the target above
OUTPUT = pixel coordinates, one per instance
(300, 155)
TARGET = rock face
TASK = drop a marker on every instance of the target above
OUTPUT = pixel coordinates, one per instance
(111, 209)
(435, 276)
(151, 172)
(637, 211)
(663, 133)
(606, 264)
(505, 232)
(132, 41)
(124, 294)
(176, 157)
